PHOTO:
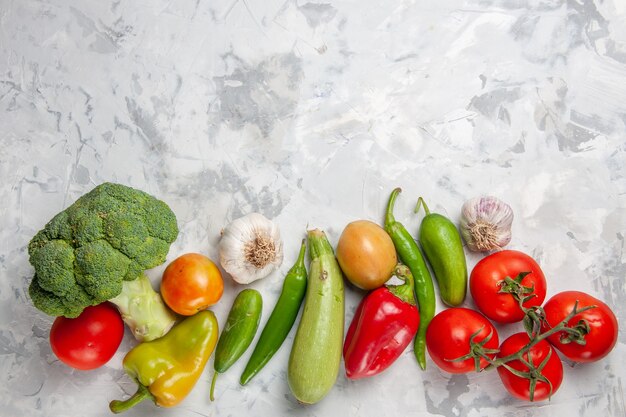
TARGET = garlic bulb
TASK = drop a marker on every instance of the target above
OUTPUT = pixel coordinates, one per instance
(486, 223)
(250, 248)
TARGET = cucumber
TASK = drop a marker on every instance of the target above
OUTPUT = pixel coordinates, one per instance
(442, 245)
(316, 351)
(241, 325)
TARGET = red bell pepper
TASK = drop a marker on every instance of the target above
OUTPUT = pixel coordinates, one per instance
(383, 326)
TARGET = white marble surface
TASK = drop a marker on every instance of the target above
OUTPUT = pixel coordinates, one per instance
(311, 112)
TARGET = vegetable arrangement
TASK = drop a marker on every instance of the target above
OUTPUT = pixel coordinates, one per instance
(95, 251)
(90, 259)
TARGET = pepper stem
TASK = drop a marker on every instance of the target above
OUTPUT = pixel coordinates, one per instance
(300, 260)
(389, 219)
(420, 203)
(404, 291)
(118, 406)
(211, 394)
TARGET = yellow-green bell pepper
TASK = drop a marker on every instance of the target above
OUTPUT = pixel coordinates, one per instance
(166, 369)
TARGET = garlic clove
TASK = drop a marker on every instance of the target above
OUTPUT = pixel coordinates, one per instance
(486, 223)
(250, 248)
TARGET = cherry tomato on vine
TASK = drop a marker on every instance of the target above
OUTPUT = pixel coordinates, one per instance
(488, 281)
(546, 370)
(596, 328)
(89, 340)
(450, 336)
(192, 282)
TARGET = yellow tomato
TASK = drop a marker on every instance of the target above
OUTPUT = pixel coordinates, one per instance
(366, 254)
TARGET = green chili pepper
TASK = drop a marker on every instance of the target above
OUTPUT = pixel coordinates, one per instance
(443, 248)
(281, 320)
(241, 325)
(411, 256)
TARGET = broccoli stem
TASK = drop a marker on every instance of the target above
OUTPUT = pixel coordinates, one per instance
(143, 309)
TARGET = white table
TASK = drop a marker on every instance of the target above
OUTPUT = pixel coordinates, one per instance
(311, 113)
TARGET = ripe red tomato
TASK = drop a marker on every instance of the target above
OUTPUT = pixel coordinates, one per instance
(192, 282)
(487, 280)
(89, 340)
(600, 336)
(520, 387)
(449, 335)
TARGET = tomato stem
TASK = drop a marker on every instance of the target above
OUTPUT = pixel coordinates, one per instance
(514, 286)
(477, 350)
(576, 334)
(562, 326)
(533, 319)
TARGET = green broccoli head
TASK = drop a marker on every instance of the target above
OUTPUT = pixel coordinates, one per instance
(83, 255)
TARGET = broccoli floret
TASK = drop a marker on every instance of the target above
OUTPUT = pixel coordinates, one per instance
(53, 304)
(84, 255)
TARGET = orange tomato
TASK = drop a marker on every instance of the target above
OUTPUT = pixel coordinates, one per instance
(366, 254)
(192, 282)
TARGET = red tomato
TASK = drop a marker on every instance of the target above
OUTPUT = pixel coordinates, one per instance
(487, 279)
(601, 335)
(192, 282)
(89, 340)
(449, 334)
(520, 387)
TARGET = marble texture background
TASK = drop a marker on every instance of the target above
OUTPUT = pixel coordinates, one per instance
(311, 112)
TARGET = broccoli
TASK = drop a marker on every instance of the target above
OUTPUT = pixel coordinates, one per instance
(97, 249)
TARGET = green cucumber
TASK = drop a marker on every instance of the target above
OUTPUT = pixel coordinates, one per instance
(241, 325)
(442, 245)
(316, 351)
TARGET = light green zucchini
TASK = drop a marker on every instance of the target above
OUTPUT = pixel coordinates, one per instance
(316, 351)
